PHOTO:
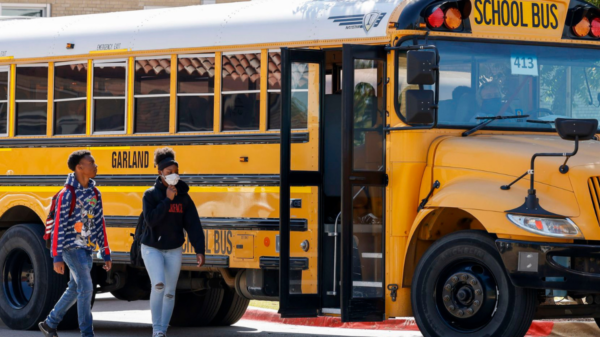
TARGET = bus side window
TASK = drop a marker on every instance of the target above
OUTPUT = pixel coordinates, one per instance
(152, 95)
(241, 92)
(31, 100)
(195, 93)
(109, 96)
(70, 98)
(4, 76)
(274, 91)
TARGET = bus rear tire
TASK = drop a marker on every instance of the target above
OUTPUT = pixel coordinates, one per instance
(233, 307)
(24, 256)
(460, 288)
(196, 309)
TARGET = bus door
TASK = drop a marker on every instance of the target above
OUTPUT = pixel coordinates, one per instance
(364, 182)
(302, 90)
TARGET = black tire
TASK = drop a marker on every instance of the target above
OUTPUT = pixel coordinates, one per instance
(196, 309)
(137, 287)
(481, 300)
(22, 305)
(233, 307)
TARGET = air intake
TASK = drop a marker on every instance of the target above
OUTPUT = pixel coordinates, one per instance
(594, 186)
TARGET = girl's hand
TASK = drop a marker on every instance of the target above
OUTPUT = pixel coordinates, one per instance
(200, 259)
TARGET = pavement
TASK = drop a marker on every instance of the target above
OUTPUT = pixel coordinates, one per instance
(114, 318)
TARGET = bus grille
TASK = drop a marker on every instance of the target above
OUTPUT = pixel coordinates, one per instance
(594, 186)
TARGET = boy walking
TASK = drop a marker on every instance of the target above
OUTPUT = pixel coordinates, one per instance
(74, 237)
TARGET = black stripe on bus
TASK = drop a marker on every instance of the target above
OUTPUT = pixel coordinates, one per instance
(143, 180)
(221, 261)
(219, 139)
(297, 225)
(272, 262)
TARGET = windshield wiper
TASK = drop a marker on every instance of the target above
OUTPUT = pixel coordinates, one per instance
(487, 121)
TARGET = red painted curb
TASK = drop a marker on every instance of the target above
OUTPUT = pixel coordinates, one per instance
(537, 329)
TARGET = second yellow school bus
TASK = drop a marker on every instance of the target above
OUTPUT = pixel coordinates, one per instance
(346, 158)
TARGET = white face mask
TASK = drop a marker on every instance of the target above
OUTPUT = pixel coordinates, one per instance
(172, 179)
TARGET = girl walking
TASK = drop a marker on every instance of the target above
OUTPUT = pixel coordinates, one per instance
(168, 210)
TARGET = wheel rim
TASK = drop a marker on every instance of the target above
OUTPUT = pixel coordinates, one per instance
(466, 296)
(18, 278)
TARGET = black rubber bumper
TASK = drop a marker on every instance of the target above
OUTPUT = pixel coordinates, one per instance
(530, 264)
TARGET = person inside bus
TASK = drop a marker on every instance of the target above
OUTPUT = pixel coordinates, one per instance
(168, 209)
(76, 231)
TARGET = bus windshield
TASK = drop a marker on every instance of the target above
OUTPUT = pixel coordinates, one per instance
(490, 79)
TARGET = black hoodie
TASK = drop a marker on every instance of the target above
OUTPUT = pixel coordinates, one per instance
(166, 219)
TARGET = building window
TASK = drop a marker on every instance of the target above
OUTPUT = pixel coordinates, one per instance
(31, 100)
(109, 96)
(4, 98)
(195, 93)
(28, 10)
(70, 98)
(152, 101)
(241, 92)
(299, 93)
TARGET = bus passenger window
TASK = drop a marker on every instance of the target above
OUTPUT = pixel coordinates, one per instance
(152, 95)
(299, 93)
(274, 90)
(195, 93)
(109, 96)
(4, 100)
(70, 97)
(31, 100)
(241, 92)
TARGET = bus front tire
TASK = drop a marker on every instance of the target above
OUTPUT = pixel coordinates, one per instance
(460, 288)
(232, 308)
(29, 286)
(196, 309)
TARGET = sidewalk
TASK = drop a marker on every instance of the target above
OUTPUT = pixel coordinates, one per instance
(538, 328)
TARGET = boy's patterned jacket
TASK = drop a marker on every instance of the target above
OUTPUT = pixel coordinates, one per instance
(85, 228)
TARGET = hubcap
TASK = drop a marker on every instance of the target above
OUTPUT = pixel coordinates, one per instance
(19, 278)
(466, 296)
(462, 295)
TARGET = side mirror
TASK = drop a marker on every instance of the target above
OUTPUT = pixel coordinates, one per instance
(421, 67)
(420, 106)
(576, 129)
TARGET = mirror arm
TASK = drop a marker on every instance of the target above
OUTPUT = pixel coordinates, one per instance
(564, 168)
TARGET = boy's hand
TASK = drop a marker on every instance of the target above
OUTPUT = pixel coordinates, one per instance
(59, 267)
(107, 265)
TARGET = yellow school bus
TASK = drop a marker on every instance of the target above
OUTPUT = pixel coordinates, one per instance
(366, 159)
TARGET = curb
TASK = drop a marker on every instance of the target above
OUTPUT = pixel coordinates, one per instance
(537, 329)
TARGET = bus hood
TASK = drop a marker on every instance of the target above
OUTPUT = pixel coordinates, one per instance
(510, 155)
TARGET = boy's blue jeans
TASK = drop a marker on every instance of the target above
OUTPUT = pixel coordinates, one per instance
(80, 290)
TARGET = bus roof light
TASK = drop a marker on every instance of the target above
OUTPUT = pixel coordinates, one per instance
(582, 28)
(436, 18)
(595, 27)
(452, 18)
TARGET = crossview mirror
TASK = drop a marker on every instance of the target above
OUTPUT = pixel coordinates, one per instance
(421, 67)
(568, 129)
(576, 129)
(420, 106)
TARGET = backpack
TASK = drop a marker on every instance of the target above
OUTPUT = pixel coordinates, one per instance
(52, 213)
(135, 253)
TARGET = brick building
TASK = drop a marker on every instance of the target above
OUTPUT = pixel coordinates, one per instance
(46, 8)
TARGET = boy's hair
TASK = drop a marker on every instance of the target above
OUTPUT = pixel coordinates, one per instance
(76, 157)
(161, 154)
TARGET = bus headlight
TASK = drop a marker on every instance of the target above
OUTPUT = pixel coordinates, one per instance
(559, 228)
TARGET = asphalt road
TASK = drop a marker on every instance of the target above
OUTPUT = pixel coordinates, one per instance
(114, 318)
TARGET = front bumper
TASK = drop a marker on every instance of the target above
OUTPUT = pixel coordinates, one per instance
(531, 264)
